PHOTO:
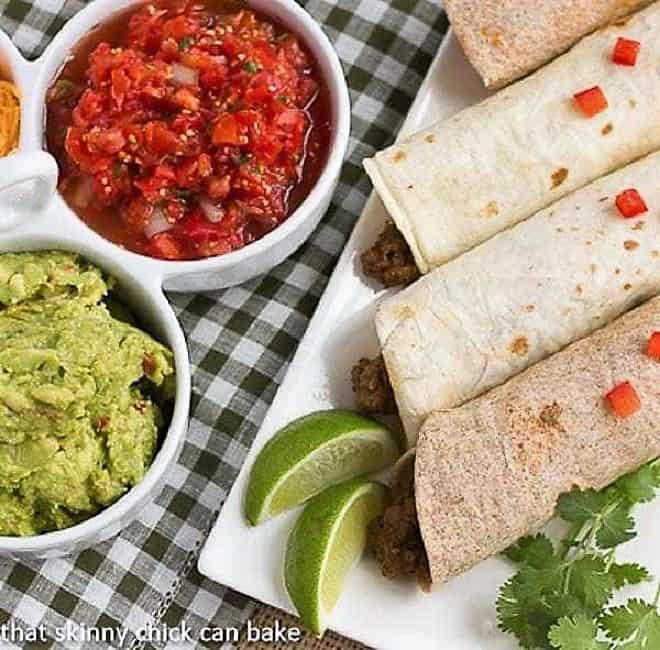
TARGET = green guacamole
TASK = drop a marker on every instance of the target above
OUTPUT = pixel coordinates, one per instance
(81, 392)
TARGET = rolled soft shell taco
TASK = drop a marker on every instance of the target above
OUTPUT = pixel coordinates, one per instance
(492, 471)
(497, 163)
(507, 39)
(522, 296)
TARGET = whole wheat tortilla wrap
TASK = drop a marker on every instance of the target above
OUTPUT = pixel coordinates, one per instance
(492, 471)
(523, 295)
(497, 163)
(507, 39)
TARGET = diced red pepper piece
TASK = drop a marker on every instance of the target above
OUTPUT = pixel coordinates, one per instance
(591, 101)
(626, 51)
(653, 349)
(623, 400)
(226, 131)
(631, 204)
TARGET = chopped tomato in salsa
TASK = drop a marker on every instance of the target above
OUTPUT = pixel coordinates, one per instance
(190, 133)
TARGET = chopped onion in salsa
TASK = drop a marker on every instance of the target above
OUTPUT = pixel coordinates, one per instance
(190, 133)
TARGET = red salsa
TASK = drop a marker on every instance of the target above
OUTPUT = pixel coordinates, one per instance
(185, 129)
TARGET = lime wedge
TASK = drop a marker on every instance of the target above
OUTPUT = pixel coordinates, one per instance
(326, 542)
(313, 453)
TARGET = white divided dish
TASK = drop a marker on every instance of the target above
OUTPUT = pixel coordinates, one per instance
(28, 181)
(237, 266)
(377, 612)
(31, 219)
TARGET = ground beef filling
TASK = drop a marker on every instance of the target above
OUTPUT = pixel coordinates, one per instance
(390, 260)
(395, 538)
(372, 388)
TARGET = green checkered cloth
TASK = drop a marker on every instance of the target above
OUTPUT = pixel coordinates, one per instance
(241, 341)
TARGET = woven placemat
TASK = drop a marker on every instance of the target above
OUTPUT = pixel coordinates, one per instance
(266, 617)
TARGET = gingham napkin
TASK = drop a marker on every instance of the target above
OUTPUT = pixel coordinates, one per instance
(241, 341)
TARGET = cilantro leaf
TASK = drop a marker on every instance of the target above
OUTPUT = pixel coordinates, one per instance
(655, 466)
(639, 487)
(636, 622)
(242, 159)
(580, 633)
(183, 193)
(186, 43)
(557, 599)
(512, 618)
(628, 574)
(536, 551)
(529, 620)
(581, 506)
(591, 582)
(532, 583)
(617, 527)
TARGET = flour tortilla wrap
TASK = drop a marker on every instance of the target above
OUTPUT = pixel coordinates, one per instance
(499, 162)
(523, 295)
(492, 471)
(507, 39)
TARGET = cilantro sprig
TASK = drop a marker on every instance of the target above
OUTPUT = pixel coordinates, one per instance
(558, 599)
(186, 43)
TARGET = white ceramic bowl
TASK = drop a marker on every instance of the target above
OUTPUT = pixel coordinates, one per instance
(147, 300)
(29, 222)
(260, 256)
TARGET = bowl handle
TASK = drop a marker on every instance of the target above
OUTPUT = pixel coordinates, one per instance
(16, 203)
